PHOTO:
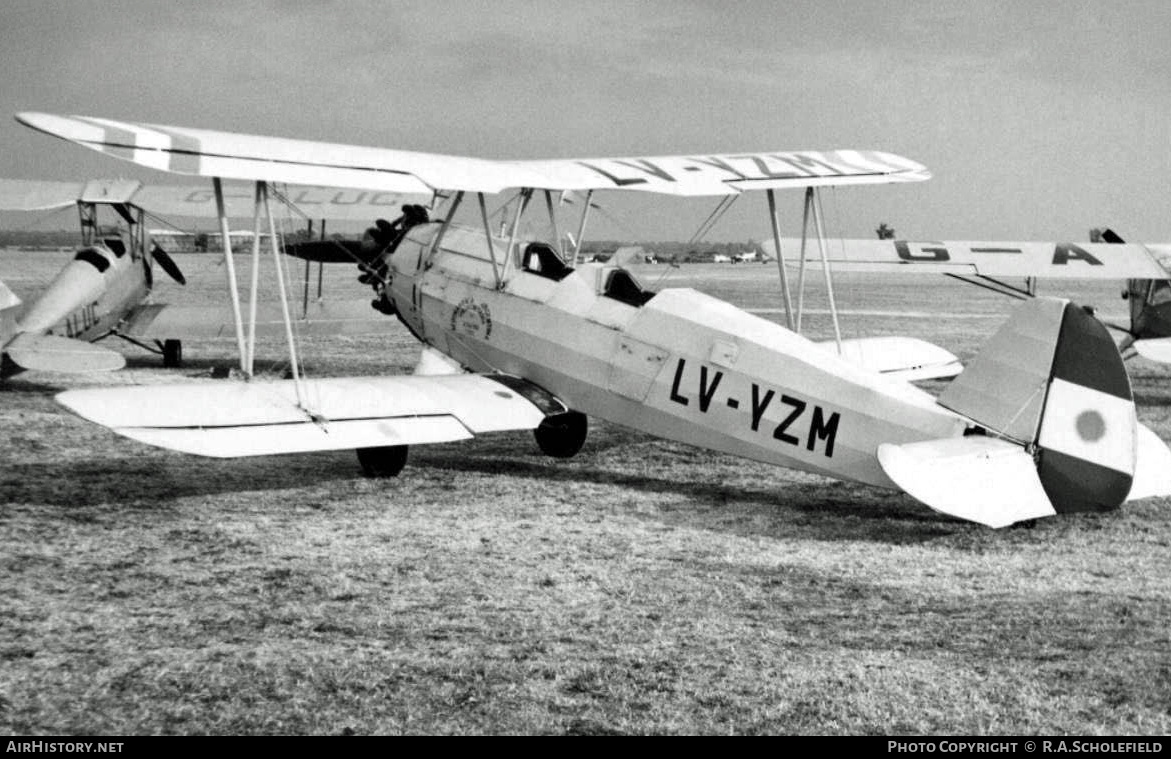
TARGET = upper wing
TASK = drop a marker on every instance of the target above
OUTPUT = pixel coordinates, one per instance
(169, 321)
(228, 419)
(1052, 260)
(35, 195)
(199, 201)
(241, 156)
(311, 202)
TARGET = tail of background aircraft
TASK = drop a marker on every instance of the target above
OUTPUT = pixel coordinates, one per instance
(1052, 393)
(28, 350)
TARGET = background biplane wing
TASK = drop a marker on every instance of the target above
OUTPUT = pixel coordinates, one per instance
(1049, 260)
(160, 321)
(258, 418)
(198, 201)
(229, 155)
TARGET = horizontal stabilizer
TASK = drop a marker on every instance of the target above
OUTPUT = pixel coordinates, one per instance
(51, 353)
(905, 358)
(1152, 469)
(978, 478)
(1157, 349)
(8, 299)
(257, 418)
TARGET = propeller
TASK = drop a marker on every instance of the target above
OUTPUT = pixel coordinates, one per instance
(384, 237)
(167, 264)
(377, 238)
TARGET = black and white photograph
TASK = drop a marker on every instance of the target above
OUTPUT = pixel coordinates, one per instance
(672, 367)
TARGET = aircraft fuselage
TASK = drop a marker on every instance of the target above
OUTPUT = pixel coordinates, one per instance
(89, 296)
(682, 365)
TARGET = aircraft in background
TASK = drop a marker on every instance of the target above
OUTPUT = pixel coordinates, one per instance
(104, 284)
(1145, 268)
(1149, 332)
(518, 335)
(106, 289)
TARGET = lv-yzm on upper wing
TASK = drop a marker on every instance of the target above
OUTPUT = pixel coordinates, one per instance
(228, 155)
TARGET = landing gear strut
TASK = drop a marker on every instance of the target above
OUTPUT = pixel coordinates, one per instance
(562, 435)
(172, 353)
(383, 460)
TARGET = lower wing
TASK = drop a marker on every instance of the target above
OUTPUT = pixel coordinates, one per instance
(230, 419)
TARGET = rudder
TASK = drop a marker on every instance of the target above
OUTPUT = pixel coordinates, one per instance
(1053, 380)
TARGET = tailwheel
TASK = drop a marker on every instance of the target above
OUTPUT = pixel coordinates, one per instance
(172, 353)
(562, 435)
(383, 460)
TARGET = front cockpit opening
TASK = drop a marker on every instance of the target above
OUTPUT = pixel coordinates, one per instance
(116, 246)
(542, 260)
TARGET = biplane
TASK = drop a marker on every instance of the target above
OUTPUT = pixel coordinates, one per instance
(1145, 269)
(106, 289)
(517, 334)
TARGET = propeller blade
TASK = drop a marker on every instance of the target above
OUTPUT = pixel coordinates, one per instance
(167, 264)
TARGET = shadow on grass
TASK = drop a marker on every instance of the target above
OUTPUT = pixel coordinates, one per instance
(22, 383)
(206, 365)
(830, 511)
(151, 481)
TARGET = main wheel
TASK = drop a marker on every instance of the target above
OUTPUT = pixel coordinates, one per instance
(383, 460)
(563, 435)
(172, 353)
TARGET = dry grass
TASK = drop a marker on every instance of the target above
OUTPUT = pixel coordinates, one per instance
(642, 587)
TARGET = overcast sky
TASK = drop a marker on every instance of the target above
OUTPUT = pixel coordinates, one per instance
(1038, 119)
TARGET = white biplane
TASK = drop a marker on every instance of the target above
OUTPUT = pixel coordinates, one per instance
(517, 335)
(1146, 269)
(106, 289)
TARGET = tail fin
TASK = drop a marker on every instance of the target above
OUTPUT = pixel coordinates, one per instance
(1051, 381)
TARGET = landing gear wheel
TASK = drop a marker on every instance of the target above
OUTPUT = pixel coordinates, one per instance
(383, 460)
(563, 435)
(172, 353)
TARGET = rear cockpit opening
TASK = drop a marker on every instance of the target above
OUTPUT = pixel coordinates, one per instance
(622, 286)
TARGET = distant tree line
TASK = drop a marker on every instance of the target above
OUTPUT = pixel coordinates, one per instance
(34, 239)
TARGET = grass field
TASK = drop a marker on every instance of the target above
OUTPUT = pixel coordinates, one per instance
(641, 587)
